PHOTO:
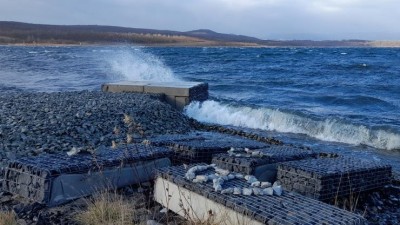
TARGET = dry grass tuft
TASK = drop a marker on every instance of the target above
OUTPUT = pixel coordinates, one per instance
(7, 218)
(107, 209)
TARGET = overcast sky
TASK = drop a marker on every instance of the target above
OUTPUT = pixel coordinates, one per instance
(266, 19)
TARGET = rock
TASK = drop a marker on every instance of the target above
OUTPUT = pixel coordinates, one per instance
(227, 191)
(277, 190)
(268, 191)
(247, 191)
(237, 191)
(200, 179)
(258, 191)
(265, 184)
(58, 121)
(256, 184)
(250, 179)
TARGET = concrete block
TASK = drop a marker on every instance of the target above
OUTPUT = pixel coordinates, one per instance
(178, 94)
(181, 102)
(127, 86)
(170, 99)
(195, 207)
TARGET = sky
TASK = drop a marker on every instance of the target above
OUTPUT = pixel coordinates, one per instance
(265, 19)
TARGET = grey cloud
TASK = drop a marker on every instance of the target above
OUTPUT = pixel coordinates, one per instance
(275, 19)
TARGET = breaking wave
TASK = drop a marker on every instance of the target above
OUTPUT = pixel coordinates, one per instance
(276, 120)
(137, 65)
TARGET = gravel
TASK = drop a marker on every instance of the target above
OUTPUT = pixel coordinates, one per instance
(33, 123)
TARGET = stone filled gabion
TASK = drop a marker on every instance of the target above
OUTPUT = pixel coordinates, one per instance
(286, 209)
(329, 178)
(32, 123)
(246, 161)
(199, 146)
(34, 178)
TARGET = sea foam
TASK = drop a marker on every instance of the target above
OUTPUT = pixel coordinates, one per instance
(329, 129)
(138, 65)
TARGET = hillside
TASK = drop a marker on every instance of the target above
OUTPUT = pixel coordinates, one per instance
(26, 33)
(17, 33)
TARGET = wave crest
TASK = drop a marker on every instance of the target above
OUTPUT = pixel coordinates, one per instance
(275, 120)
(137, 65)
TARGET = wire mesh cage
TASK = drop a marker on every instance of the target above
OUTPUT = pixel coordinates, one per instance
(327, 178)
(248, 162)
(201, 146)
(289, 208)
(55, 178)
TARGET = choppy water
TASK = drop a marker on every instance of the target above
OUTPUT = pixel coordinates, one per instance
(340, 97)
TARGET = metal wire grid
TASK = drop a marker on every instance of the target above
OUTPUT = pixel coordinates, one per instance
(325, 178)
(32, 177)
(271, 155)
(288, 209)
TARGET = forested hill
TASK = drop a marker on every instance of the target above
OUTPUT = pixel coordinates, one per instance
(26, 33)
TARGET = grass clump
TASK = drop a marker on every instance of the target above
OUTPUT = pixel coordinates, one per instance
(107, 209)
(7, 218)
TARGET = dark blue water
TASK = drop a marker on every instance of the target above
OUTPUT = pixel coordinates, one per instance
(345, 96)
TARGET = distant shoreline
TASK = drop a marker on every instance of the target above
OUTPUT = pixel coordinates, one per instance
(26, 34)
(371, 45)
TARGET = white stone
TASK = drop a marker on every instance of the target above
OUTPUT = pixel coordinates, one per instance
(265, 184)
(239, 176)
(231, 176)
(247, 191)
(74, 151)
(277, 190)
(258, 191)
(217, 184)
(237, 191)
(250, 179)
(217, 188)
(256, 184)
(222, 171)
(227, 191)
(212, 177)
(191, 173)
(200, 179)
(268, 191)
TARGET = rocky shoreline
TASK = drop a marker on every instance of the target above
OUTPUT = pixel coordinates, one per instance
(46, 123)
(35, 123)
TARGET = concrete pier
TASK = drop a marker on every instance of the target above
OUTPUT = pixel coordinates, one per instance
(178, 94)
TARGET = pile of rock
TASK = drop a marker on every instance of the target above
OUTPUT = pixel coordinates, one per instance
(32, 123)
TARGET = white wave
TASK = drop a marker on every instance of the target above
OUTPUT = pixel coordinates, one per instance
(137, 65)
(276, 120)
